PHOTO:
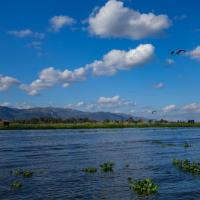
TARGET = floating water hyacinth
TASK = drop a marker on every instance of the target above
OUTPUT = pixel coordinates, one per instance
(143, 187)
(16, 172)
(16, 185)
(186, 165)
(27, 174)
(163, 144)
(90, 170)
(157, 142)
(107, 167)
(186, 145)
(24, 173)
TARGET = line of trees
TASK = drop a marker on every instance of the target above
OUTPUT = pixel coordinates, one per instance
(51, 120)
(42, 120)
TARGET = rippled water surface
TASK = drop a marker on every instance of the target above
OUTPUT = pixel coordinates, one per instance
(57, 157)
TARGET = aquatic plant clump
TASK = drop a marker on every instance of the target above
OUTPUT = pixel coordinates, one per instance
(16, 172)
(107, 167)
(27, 174)
(186, 165)
(143, 187)
(16, 185)
(186, 145)
(163, 144)
(24, 173)
(89, 170)
(157, 142)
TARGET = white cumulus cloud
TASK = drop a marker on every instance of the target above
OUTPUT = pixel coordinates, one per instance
(170, 108)
(116, 20)
(109, 100)
(195, 53)
(192, 107)
(105, 104)
(58, 22)
(49, 77)
(6, 82)
(110, 64)
(114, 101)
(121, 60)
(184, 109)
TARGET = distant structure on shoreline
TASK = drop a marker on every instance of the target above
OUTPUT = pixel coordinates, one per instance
(5, 122)
(191, 121)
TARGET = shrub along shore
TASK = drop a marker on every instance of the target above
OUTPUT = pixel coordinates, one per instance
(94, 125)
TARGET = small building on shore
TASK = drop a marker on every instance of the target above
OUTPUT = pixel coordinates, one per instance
(4, 123)
(191, 121)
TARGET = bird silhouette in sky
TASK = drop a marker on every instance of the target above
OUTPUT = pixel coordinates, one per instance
(178, 52)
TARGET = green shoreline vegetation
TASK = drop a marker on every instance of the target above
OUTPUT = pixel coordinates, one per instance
(94, 125)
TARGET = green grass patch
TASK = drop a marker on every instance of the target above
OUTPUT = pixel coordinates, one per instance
(143, 187)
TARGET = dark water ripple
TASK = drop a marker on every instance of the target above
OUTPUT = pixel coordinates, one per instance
(57, 157)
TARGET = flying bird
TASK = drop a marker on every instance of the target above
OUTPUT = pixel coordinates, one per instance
(154, 111)
(172, 52)
(178, 52)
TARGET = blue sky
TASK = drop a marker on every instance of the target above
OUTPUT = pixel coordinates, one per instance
(40, 40)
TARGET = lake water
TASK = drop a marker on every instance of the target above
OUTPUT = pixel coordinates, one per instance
(57, 157)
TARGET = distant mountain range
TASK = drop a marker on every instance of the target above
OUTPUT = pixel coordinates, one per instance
(7, 113)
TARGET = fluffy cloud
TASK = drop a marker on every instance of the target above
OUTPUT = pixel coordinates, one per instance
(121, 60)
(26, 33)
(6, 82)
(188, 108)
(5, 104)
(115, 20)
(170, 61)
(114, 101)
(195, 53)
(58, 22)
(106, 104)
(170, 108)
(109, 100)
(193, 107)
(159, 85)
(78, 105)
(49, 77)
(111, 62)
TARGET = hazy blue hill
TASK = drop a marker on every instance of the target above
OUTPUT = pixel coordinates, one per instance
(7, 113)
